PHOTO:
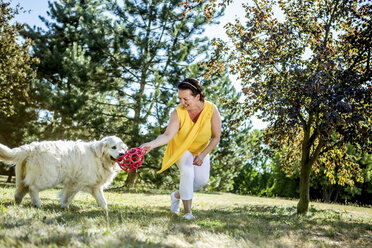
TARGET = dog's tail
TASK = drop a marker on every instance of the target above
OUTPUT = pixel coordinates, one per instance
(15, 155)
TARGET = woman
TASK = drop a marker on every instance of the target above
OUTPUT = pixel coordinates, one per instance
(194, 129)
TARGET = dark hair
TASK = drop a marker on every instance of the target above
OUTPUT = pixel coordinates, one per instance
(193, 85)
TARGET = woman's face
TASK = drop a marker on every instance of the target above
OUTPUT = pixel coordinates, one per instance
(187, 100)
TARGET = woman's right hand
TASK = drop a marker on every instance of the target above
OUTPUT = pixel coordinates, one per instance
(146, 147)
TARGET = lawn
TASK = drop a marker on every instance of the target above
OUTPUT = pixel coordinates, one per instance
(144, 220)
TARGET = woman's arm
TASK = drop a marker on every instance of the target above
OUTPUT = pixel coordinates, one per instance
(169, 133)
(216, 135)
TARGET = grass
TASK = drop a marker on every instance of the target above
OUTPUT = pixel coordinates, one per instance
(144, 220)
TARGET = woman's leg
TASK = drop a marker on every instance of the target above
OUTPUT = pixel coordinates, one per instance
(201, 178)
(192, 178)
(186, 203)
(201, 174)
(186, 176)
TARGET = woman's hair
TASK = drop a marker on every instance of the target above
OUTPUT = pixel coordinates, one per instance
(193, 85)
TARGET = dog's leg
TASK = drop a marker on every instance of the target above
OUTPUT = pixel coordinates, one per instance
(97, 192)
(66, 196)
(21, 188)
(34, 193)
(20, 192)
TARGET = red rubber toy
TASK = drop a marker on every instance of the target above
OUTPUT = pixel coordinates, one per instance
(131, 160)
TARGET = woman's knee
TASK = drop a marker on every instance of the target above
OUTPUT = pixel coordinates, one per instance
(200, 183)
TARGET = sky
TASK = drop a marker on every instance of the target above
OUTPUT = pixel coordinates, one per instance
(36, 8)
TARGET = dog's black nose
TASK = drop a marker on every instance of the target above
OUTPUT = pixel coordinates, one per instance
(121, 154)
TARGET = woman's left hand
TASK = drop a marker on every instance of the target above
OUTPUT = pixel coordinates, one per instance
(198, 160)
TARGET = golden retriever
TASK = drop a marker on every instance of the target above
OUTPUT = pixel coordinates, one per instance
(77, 165)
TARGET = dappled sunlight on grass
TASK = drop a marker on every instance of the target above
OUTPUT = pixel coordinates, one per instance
(144, 220)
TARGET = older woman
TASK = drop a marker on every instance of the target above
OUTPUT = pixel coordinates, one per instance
(194, 129)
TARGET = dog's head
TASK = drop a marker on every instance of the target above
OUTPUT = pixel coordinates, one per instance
(111, 146)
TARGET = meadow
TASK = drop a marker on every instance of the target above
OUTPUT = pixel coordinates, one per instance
(143, 219)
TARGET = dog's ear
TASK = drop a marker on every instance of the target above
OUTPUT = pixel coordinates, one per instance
(100, 148)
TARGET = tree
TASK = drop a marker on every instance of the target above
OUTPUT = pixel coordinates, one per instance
(75, 85)
(16, 77)
(110, 68)
(308, 99)
(16, 72)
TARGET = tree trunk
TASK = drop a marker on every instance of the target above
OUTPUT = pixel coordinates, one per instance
(327, 192)
(129, 183)
(307, 162)
(336, 197)
(303, 204)
(136, 129)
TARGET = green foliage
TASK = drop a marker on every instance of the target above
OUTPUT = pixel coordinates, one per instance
(336, 191)
(75, 81)
(16, 77)
(255, 172)
(15, 62)
(282, 183)
(230, 155)
(263, 175)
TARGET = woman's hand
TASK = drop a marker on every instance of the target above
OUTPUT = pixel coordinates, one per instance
(146, 147)
(198, 160)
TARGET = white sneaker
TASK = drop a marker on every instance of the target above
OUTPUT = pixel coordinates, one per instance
(175, 203)
(189, 216)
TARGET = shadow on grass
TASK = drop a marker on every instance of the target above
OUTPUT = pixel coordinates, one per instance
(249, 222)
(145, 191)
(52, 214)
(234, 217)
(279, 222)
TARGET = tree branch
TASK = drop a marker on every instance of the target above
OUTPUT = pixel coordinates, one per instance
(314, 156)
(302, 119)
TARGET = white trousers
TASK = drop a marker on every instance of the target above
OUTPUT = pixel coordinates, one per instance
(192, 177)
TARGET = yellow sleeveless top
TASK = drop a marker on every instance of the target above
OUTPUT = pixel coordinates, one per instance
(192, 136)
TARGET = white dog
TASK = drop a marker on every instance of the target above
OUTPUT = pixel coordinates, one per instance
(77, 165)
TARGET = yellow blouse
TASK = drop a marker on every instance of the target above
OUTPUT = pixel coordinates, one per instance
(192, 136)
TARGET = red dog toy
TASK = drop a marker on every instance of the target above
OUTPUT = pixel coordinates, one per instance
(131, 160)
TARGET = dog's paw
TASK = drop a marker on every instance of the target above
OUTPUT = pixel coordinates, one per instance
(104, 207)
(36, 205)
(18, 199)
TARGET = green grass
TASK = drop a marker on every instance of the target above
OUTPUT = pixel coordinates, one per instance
(144, 220)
